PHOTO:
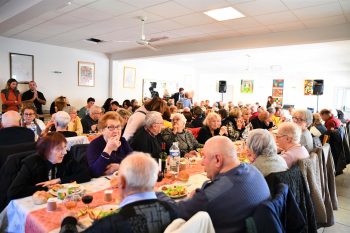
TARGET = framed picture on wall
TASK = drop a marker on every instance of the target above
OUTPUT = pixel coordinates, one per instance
(129, 77)
(247, 86)
(86, 74)
(22, 67)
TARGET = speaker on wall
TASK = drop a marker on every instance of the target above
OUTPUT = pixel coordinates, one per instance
(318, 87)
(222, 86)
(154, 84)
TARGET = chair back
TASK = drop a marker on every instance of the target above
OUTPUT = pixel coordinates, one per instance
(9, 172)
(5, 151)
(200, 222)
(194, 131)
(78, 152)
(71, 141)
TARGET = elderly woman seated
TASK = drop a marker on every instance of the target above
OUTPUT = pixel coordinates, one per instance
(29, 116)
(186, 140)
(48, 166)
(61, 120)
(262, 145)
(211, 127)
(105, 153)
(304, 118)
(75, 122)
(288, 140)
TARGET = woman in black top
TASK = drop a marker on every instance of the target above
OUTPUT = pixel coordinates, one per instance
(47, 167)
(211, 127)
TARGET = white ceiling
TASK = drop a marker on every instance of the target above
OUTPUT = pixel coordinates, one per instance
(58, 23)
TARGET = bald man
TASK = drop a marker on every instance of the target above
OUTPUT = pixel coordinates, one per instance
(11, 132)
(233, 192)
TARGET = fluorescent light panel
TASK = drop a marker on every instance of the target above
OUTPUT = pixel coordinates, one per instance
(224, 14)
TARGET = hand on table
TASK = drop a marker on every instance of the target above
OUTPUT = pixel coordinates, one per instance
(190, 154)
(49, 182)
(111, 168)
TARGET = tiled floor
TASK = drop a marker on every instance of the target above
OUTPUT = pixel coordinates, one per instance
(342, 215)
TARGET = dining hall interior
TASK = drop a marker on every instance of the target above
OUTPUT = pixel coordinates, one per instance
(131, 49)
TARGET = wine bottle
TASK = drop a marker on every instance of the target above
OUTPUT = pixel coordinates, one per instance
(162, 160)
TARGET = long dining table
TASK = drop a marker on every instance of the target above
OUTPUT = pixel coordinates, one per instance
(22, 215)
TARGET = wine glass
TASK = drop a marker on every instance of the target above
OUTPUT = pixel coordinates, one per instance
(87, 199)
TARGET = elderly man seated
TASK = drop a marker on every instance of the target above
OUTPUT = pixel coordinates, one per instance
(89, 122)
(140, 210)
(235, 189)
(146, 138)
(288, 141)
(12, 133)
(61, 120)
(263, 121)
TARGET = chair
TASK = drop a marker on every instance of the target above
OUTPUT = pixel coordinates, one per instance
(78, 152)
(71, 141)
(297, 185)
(281, 214)
(5, 151)
(9, 172)
(337, 148)
(199, 223)
(194, 131)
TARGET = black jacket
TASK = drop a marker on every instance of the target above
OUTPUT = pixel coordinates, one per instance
(143, 141)
(34, 170)
(204, 134)
(16, 135)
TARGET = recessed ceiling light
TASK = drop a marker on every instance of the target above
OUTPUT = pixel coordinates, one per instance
(224, 14)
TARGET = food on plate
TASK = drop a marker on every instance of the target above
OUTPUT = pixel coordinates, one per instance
(73, 187)
(101, 212)
(183, 176)
(56, 187)
(174, 191)
(40, 197)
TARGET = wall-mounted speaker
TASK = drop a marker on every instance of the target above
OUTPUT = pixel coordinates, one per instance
(318, 87)
(222, 86)
(154, 84)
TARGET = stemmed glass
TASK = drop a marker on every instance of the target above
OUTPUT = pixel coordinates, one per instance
(87, 199)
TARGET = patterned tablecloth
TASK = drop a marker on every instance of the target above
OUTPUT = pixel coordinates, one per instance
(22, 215)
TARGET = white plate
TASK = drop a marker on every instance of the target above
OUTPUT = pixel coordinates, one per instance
(171, 186)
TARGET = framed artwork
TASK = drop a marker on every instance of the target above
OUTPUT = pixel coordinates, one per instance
(308, 87)
(86, 74)
(129, 77)
(22, 67)
(247, 86)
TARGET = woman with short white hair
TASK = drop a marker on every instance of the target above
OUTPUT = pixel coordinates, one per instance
(61, 120)
(303, 118)
(288, 140)
(186, 140)
(211, 127)
(262, 145)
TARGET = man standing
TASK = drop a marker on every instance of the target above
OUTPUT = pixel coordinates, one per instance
(140, 210)
(36, 97)
(234, 191)
(178, 95)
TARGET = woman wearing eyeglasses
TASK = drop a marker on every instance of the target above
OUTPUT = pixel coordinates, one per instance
(304, 118)
(288, 141)
(105, 153)
(29, 117)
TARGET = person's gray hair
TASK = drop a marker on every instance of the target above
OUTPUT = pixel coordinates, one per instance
(140, 171)
(10, 118)
(261, 142)
(69, 109)
(152, 117)
(291, 130)
(181, 117)
(271, 110)
(307, 115)
(94, 107)
(62, 119)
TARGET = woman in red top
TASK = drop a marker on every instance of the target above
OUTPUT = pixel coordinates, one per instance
(331, 122)
(10, 96)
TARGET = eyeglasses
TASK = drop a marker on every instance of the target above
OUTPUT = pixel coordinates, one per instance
(113, 127)
(29, 114)
(298, 119)
(281, 136)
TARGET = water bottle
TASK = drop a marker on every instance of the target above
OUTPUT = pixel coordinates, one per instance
(174, 153)
(33, 127)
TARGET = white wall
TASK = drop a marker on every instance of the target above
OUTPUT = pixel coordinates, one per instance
(48, 58)
(184, 76)
(204, 85)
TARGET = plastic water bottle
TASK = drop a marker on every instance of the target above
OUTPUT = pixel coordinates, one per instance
(33, 127)
(174, 153)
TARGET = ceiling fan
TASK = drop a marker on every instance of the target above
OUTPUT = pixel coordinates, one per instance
(146, 42)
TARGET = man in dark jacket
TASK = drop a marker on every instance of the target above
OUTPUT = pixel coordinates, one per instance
(140, 210)
(178, 95)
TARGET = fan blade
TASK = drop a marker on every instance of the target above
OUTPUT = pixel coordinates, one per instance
(151, 47)
(157, 39)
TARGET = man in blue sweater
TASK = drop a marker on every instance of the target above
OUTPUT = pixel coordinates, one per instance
(235, 189)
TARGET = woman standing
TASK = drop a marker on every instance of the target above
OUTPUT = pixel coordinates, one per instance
(10, 96)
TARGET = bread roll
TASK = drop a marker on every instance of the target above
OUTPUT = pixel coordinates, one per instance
(40, 197)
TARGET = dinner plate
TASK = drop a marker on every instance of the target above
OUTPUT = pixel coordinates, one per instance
(174, 191)
(65, 188)
(102, 211)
